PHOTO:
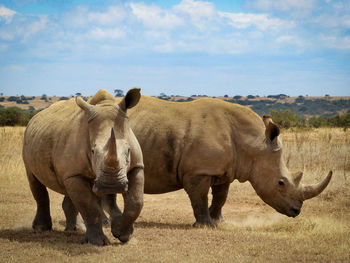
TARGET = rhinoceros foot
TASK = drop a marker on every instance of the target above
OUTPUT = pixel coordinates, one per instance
(122, 232)
(97, 239)
(218, 220)
(42, 223)
(204, 223)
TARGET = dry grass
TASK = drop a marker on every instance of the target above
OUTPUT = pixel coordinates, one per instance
(253, 232)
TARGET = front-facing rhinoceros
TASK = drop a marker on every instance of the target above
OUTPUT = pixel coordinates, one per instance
(83, 151)
(208, 143)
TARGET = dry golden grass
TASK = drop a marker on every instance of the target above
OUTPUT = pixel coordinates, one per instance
(253, 232)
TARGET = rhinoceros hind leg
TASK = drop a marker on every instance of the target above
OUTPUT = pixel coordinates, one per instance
(88, 205)
(42, 220)
(71, 214)
(219, 193)
(197, 188)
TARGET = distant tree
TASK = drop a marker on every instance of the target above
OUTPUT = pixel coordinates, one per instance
(237, 97)
(226, 96)
(12, 98)
(300, 99)
(118, 93)
(162, 94)
(1, 94)
(327, 95)
(78, 94)
(251, 97)
(44, 97)
(2, 99)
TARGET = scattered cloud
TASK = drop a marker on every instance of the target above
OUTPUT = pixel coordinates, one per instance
(260, 21)
(285, 5)
(202, 14)
(336, 42)
(189, 26)
(6, 14)
(110, 33)
(153, 16)
(36, 26)
(113, 15)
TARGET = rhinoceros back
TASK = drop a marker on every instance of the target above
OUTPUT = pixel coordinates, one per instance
(191, 137)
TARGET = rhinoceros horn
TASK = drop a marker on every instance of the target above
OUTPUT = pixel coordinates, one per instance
(111, 159)
(310, 191)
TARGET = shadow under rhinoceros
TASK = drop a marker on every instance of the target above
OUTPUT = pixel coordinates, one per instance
(147, 224)
(69, 242)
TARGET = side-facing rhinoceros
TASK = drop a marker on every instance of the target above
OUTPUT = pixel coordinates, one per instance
(83, 151)
(208, 143)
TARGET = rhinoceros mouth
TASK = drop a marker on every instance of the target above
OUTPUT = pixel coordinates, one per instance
(103, 186)
(294, 212)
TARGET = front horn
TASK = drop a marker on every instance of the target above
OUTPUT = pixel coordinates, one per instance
(310, 191)
(111, 159)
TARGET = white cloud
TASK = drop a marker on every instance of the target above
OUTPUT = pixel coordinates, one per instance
(292, 42)
(6, 14)
(110, 33)
(332, 20)
(336, 42)
(200, 12)
(35, 27)
(114, 14)
(285, 5)
(153, 16)
(260, 21)
(7, 34)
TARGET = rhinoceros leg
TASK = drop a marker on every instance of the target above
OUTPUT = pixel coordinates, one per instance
(88, 205)
(197, 188)
(109, 204)
(123, 225)
(42, 220)
(71, 214)
(219, 193)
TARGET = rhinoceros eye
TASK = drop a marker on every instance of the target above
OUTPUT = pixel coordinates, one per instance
(281, 182)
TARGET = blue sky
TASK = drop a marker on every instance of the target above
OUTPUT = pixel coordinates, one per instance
(257, 47)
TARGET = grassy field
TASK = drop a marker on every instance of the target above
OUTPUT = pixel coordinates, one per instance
(252, 232)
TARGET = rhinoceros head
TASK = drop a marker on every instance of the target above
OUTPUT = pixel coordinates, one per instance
(111, 141)
(272, 180)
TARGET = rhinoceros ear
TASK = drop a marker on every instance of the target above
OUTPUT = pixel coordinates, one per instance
(272, 130)
(131, 99)
(83, 104)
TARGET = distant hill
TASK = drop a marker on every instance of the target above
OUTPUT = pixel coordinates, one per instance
(303, 106)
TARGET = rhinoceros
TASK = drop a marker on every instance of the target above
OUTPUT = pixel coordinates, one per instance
(86, 151)
(209, 143)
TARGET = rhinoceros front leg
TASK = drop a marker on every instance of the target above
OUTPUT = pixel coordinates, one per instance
(88, 205)
(123, 225)
(197, 188)
(219, 193)
(42, 220)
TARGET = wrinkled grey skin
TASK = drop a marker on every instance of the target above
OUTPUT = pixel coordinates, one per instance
(84, 151)
(208, 143)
